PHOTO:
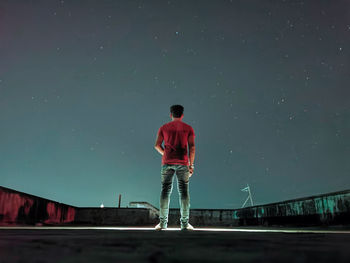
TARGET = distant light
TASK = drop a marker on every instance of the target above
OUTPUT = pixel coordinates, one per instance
(102, 206)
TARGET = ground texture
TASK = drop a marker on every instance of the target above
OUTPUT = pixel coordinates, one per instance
(108, 245)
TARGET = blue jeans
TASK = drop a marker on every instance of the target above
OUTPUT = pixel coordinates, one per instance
(167, 178)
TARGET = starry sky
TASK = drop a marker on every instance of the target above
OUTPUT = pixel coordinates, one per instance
(85, 86)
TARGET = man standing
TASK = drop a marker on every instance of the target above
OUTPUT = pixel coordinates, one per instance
(176, 135)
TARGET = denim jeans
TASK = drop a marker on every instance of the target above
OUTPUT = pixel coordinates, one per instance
(167, 178)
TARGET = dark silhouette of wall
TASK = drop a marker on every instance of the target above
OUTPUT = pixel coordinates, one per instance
(109, 216)
(325, 209)
(17, 208)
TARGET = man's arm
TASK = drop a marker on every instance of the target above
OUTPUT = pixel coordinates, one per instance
(192, 149)
(158, 144)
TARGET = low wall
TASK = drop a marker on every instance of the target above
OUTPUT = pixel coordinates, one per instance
(326, 209)
(17, 208)
(115, 216)
(204, 217)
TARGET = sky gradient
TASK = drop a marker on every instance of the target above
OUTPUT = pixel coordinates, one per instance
(85, 86)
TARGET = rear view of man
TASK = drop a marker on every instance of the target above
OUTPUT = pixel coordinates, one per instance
(176, 135)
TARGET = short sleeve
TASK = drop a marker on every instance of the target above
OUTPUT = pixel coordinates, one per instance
(160, 132)
(192, 132)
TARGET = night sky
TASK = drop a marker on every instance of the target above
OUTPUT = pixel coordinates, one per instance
(85, 86)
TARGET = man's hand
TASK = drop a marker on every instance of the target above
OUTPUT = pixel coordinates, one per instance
(191, 170)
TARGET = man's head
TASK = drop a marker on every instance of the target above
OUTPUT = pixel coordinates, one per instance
(176, 111)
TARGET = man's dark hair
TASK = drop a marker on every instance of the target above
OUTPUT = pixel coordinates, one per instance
(177, 110)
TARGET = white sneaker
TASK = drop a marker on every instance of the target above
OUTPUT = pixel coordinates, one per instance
(188, 227)
(159, 227)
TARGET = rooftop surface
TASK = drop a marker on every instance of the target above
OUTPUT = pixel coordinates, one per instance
(143, 244)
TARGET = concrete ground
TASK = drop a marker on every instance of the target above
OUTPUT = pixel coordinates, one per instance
(108, 244)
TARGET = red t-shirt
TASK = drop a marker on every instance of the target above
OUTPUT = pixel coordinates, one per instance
(175, 134)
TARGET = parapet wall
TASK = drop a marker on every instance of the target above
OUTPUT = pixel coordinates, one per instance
(17, 208)
(326, 209)
(109, 216)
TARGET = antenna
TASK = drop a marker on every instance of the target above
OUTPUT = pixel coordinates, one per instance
(247, 189)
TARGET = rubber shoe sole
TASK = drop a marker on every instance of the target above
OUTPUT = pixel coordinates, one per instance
(159, 227)
(188, 227)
